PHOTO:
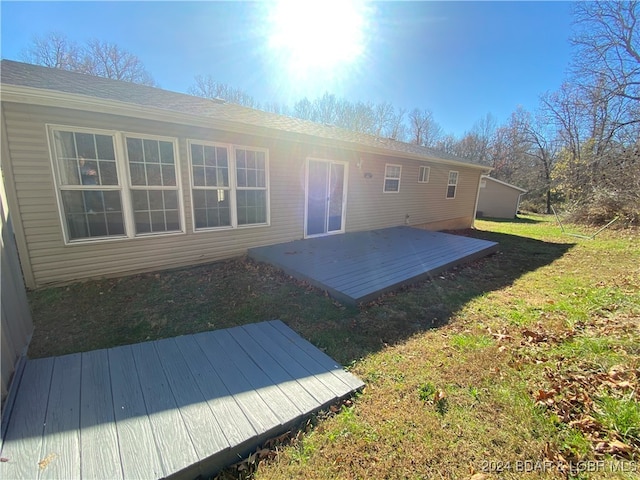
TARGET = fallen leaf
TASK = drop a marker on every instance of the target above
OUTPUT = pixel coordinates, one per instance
(46, 461)
(585, 424)
(479, 476)
(614, 447)
(544, 395)
(263, 453)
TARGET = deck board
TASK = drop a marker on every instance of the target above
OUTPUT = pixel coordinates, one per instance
(172, 438)
(138, 451)
(61, 442)
(274, 372)
(326, 376)
(227, 424)
(360, 266)
(181, 407)
(24, 436)
(321, 392)
(207, 436)
(100, 453)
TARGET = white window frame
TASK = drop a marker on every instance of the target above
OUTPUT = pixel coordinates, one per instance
(124, 183)
(230, 188)
(387, 177)
(233, 185)
(266, 189)
(453, 184)
(177, 188)
(424, 172)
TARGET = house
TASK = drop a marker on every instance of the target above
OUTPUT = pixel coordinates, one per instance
(108, 178)
(498, 199)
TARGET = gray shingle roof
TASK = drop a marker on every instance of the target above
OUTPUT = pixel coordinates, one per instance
(35, 76)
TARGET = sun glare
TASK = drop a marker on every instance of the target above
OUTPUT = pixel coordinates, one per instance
(315, 36)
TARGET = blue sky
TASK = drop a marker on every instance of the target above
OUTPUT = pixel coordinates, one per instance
(461, 60)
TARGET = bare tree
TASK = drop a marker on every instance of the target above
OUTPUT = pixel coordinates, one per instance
(53, 50)
(303, 109)
(326, 109)
(424, 130)
(384, 114)
(358, 117)
(396, 129)
(274, 107)
(447, 144)
(98, 58)
(104, 59)
(540, 145)
(205, 86)
(608, 44)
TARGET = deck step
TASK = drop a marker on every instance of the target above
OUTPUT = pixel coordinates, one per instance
(179, 407)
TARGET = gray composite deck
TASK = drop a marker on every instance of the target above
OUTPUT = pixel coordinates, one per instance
(179, 407)
(360, 266)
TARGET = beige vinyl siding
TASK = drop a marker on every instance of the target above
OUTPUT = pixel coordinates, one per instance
(53, 262)
(425, 203)
(47, 260)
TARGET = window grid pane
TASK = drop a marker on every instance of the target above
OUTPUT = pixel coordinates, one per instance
(85, 158)
(251, 168)
(93, 213)
(151, 162)
(252, 206)
(155, 211)
(211, 208)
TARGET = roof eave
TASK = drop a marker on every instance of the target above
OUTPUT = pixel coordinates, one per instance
(55, 98)
(506, 184)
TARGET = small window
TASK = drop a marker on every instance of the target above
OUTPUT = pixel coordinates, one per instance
(392, 178)
(423, 174)
(453, 183)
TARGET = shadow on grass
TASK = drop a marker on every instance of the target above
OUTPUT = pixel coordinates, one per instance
(107, 313)
(431, 303)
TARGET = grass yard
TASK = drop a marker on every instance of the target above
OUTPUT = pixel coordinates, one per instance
(524, 364)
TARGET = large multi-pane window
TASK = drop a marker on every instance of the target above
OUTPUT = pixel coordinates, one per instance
(90, 192)
(154, 190)
(229, 185)
(109, 192)
(251, 182)
(211, 186)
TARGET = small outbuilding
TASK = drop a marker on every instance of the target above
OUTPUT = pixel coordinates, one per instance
(498, 199)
